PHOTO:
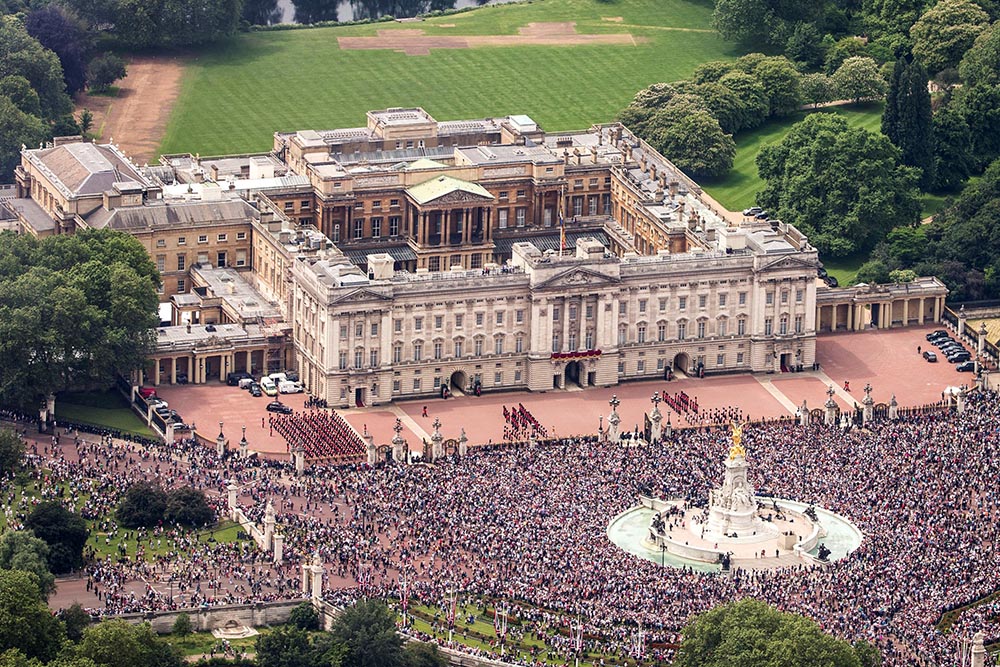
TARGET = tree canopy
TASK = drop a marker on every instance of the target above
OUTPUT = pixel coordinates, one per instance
(750, 632)
(368, 630)
(945, 32)
(11, 452)
(75, 311)
(120, 644)
(21, 550)
(843, 187)
(26, 623)
(65, 533)
(146, 504)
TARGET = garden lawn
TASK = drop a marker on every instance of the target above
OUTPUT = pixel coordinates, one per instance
(236, 95)
(844, 268)
(106, 409)
(738, 189)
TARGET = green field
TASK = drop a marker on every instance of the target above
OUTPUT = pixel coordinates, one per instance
(234, 96)
(737, 190)
(108, 409)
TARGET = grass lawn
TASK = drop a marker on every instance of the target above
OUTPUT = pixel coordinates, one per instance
(737, 190)
(202, 643)
(235, 95)
(224, 532)
(100, 408)
(844, 268)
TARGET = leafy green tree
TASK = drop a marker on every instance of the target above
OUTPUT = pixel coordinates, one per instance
(26, 623)
(285, 646)
(423, 654)
(22, 55)
(980, 106)
(21, 550)
(751, 92)
(816, 88)
(744, 20)
(76, 620)
(189, 507)
(873, 271)
(19, 91)
(59, 30)
(261, 12)
(900, 276)
(916, 124)
(304, 617)
(890, 17)
(691, 138)
(86, 121)
(143, 505)
(981, 63)
(16, 129)
(845, 48)
(368, 630)
(120, 644)
(654, 96)
(11, 452)
(805, 46)
(858, 79)
(946, 31)
(952, 150)
(65, 533)
(749, 632)
(75, 310)
(182, 625)
(780, 80)
(174, 23)
(721, 101)
(906, 245)
(841, 186)
(713, 70)
(105, 70)
(897, 86)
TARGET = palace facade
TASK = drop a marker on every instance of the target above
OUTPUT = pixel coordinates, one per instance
(411, 255)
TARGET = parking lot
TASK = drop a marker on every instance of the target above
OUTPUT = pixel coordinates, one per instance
(888, 360)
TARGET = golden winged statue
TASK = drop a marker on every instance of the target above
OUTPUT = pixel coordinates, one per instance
(737, 449)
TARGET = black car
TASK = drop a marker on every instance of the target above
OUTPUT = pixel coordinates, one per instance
(254, 390)
(930, 356)
(291, 376)
(944, 340)
(278, 406)
(832, 281)
(939, 333)
(233, 379)
(182, 378)
(956, 358)
(753, 210)
(966, 367)
(821, 272)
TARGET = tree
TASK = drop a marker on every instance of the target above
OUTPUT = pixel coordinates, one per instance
(75, 310)
(86, 121)
(22, 55)
(890, 115)
(25, 621)
(174, 23)
(16, 129)
(58, 30)
(750, 632)
(105, 70)
(284, 647)
(19, 91)
(751, 92)
(368, 631)
(845, 48)
(423, 654)
(143, 505)
(65, 533)
(953, 162)
(182, 625)
(743, 20)
(189, 507)
(120, 644)
(805, 46)
(693, 140)
(916, 125)
(858, 79)
(816, 88)
(261, 12)
(981, 63)
(76, 621)
(713, 70)
(900, 276)
(304, 617)
(21, 550)
(843, 187)
(946, 31)
(11, 452)
(780, 80)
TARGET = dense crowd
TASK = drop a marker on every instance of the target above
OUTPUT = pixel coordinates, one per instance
(322, 434)
(919, 488)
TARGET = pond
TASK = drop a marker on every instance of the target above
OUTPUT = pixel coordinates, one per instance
(270, 12)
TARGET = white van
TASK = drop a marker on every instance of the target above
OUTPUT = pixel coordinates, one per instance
(278, 378)
(268, 387)
(289, 387)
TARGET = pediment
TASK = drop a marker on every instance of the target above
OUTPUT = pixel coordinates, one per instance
(577, 277)
(788, 262)
(361, 295)
(458, 197)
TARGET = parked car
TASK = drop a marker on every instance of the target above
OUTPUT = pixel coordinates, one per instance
(966, 367)
(951, 346)
(233, 379)
(930, 356)
(289, 387)
(832, 281)
(254, 390)
(182, 378)
(292, 375)
(278, 378)
(821, 272)
(278, 406)
(960, 357)
(147, 392)
(753, 210)
(157, 402)
(939, 333)
(944, 340)
(268, 387)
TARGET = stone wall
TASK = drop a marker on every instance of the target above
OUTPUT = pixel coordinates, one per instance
(209, 618)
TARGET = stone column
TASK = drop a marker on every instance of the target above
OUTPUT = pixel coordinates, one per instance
(923, 309)
(868, 406)
(156, 372)
(244, 445)
(372, 454)
(833, 317)
(960, 400)
(893, 408)
(614, 420)
(804, 414)
(173, 370)
(317, 577)
(279, 548)
(961, 321)
(306, 577)
(655, 417)
(906, 312)
(937, 309)
(463, 444)
(978, 650)
(437, 451)
(220, 443)
(268, 526)
(398, 444)
(232, 489)
(831, 408)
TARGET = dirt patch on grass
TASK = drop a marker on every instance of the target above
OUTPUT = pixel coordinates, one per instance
(137, 116)
(613, 19)
(415, 42)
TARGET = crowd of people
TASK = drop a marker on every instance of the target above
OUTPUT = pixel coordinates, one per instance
(680, 402)
(520, 424)
(322, 434)
(919, 488)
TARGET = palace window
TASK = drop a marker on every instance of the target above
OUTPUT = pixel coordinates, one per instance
(555, 342)
(418, 324)
(359, 329)
(783, 325)
(743, 298)
(376, 227)
(478, 347)
(798, 324)
(502, 218)
(394, 225)
(682, 303)
(702, 301)
(741, 326)
(359, 228)
(343, 361)
(438, 321)
(373, 358)
(681, 330)
(181, 261)
(642, 333)
(458, 349)
(521, 216)
(418, 351)
(622, 335)
(589, 344)
(519, 344)
(374, 328)
(397, 354)
(359, 358)
(768, 326)
(701, 329)
(661, 332)
(438, 350)
(498, 345)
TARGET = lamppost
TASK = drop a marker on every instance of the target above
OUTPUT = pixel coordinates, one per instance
(663, 554)
(452, 601)
(404, 597)
(577, 632)
(500, 626)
